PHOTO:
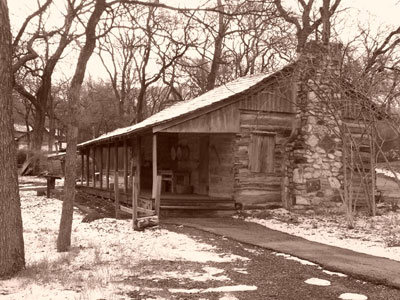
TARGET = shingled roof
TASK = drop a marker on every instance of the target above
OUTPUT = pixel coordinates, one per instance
(183, 108)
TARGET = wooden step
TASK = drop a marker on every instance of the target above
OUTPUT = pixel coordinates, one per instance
(186, 207)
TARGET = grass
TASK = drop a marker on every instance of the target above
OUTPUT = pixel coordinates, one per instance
(391, 236)
(393, 240)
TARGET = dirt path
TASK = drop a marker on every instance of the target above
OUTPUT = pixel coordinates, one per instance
(275, 277)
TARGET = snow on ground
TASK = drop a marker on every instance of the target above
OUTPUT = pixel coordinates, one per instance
(388, 173)
(107, 253)
(289, 257)
(318, 281)
(352, 296)
(104, 256)
(379, 236)
(234, 288)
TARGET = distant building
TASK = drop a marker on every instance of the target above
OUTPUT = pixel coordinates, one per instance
(23, 136)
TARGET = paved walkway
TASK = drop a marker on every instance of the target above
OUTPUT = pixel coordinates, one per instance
(362, 266)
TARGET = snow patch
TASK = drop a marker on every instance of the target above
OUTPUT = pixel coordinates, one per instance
(210, 274)
(334, 273)
(240, 270)
(103, 256)
(352, 296)
(253, 251)
(38, 292)
(302, 261)
(232, 288)
(388, 173)
(318, 281)
(369, 235)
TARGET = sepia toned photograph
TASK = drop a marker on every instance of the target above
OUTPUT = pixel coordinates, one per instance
(199, 150)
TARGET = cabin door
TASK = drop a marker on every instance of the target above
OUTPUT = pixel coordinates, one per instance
(204, 165)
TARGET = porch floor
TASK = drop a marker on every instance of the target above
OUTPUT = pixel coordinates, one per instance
(169, 202)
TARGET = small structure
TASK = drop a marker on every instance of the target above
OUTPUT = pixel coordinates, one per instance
(258, 141)
(22, 138)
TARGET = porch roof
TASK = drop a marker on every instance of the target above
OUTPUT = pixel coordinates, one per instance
(181, 109)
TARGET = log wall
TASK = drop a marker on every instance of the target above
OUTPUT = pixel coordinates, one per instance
(257, 189)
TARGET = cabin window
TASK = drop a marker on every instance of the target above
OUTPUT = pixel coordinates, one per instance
(262, 152)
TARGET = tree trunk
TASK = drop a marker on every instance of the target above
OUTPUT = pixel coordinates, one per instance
(38, 129)
(37, 139)
(52, 129)
(326, 23)
(64, 235)
(140, 104)
(217, 58)
(12, 256)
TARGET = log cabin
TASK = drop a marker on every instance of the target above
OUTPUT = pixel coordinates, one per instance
(258, 141)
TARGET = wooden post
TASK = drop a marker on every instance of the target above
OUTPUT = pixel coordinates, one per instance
(48, 186)
(136, 182)
(125, 166)
(82, 166)
(372, 140)
(87, 167)
(134, 202)
(116, 157)
(116, 194)
(94, 166)
(158, 195)
(101, 167)
(108, 166)
(115, 160)
(154, 191)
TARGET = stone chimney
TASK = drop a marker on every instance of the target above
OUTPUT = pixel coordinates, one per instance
(317, 172)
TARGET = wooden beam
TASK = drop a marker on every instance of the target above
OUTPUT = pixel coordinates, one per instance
(87, 167)
(125, 165)
(134, 201)
(158, 195)
(108, 166)
(136, 182)
(145, 211)
(101, 166)
(125, 209)
(145, 222)
(372, 171)
(116, 194)
(154, 191)
(116, 158)
(82, 166)
(94, 166)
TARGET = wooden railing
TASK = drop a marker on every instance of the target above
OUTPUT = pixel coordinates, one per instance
(144, 213)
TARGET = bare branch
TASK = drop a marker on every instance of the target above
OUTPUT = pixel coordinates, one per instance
(28, 19)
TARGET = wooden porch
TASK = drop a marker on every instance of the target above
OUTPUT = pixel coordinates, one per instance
(171, 204)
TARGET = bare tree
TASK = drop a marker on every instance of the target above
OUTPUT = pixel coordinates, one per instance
(12, 256)
(40, 95)
(262, 41)
(164, 43)
(116, 51)
(307, 23)
(64, 235)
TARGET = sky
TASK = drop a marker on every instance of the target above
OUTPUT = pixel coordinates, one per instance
(376, 13)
